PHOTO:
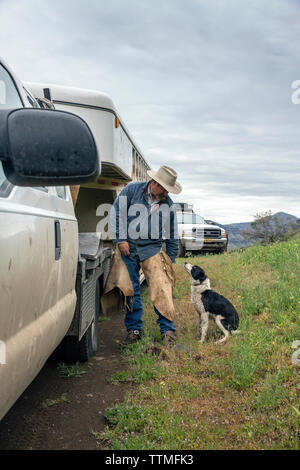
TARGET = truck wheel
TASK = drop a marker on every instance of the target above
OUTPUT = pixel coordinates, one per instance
(74, 350)
(181, 250)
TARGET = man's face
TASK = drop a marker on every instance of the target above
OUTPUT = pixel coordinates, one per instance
(157, 191)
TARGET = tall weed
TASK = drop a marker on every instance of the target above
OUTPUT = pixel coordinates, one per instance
(247, 358)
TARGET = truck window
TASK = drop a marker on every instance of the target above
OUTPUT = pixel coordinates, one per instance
(9, 96)
(61, 192)
(189, 218)
(2, 176)
(31, 100)
(5, 186)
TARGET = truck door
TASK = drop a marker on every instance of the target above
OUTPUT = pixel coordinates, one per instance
(66, 242)
(37, 283)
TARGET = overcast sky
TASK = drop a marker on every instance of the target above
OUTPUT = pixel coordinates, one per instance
(203, 86)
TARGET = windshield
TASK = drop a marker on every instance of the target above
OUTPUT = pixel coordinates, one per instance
(9, 96)
(189, 218)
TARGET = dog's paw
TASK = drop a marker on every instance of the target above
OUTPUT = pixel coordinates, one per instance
(221, 341)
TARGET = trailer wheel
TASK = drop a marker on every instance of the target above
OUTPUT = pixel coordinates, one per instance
(74, 350)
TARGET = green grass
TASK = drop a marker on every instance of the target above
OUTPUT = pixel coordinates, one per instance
(247, 358)
(55, 401)
(67, 371)
(141, 359)
(123, 376)
(272, 393)
(242, 395)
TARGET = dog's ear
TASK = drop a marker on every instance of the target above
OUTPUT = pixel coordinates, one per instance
(198, 273)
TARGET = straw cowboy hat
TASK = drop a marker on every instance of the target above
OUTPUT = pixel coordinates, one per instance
(166, 177)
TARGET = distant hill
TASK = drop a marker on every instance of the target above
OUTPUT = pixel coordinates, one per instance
(234, 230)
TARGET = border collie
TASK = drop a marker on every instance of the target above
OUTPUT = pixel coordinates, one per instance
(210, 304)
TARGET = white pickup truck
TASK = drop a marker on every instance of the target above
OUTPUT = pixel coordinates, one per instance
(46, 283)
(54, 262)
(196, 236)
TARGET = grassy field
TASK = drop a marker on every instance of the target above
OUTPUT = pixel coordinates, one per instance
(241, 395)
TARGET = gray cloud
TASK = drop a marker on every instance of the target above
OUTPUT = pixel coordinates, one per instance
(203, 86)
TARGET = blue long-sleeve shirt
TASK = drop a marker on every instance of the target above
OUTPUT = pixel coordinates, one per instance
(144, 225)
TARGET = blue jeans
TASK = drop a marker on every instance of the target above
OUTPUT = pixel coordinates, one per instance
(134, 306)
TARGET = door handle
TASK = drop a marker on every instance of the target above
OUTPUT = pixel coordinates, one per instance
(57, 239)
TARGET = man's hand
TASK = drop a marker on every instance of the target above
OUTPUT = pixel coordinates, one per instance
(124, 248)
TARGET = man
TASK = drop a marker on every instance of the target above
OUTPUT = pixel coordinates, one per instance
(143, 217)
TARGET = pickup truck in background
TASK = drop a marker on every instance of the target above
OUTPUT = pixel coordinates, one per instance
(54, 260)
(196, 236)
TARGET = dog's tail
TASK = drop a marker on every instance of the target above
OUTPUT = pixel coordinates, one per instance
(236, 332)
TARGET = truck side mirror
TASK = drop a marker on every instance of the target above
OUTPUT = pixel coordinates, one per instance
(47, 148)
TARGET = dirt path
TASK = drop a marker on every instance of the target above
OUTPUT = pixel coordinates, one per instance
(68, 424)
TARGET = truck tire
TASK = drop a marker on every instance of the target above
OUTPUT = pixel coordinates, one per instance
(74, 350)
(181, 250)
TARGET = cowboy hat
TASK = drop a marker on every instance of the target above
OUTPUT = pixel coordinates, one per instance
(166, 177)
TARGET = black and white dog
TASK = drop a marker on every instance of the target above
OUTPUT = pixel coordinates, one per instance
(210, 304)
